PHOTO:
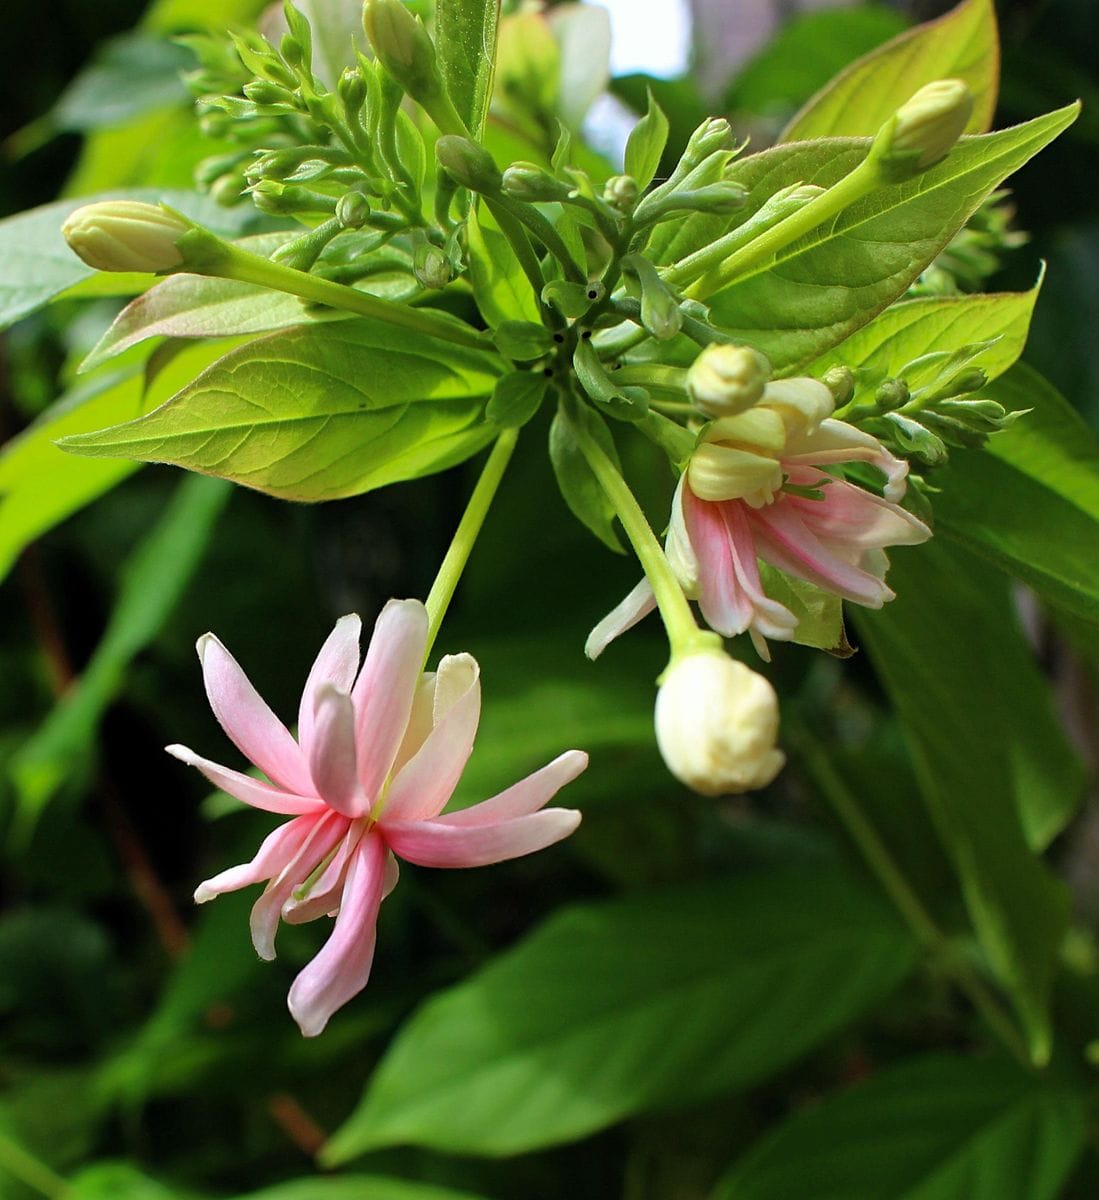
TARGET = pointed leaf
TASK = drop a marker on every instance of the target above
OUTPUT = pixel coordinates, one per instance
(961, 45)
(587, 501)
(646, 143)
(500, 288)
(465, 37)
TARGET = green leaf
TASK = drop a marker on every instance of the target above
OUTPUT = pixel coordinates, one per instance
(522, 340)
(176, 16)
(616, 1008)
(120, 1181)
(516, 398)
(318, 412)
(941, 1127)
(41, 486)
(150, 584)
(997, 774)
(465, 38)
(646, 143)
(962, 45)
(822, 287)
(819, 613)
(356, 1187)
(581, 490)
(36, 264)
(501, 290)
(913, 328)
(337, 27)
(1029, 502)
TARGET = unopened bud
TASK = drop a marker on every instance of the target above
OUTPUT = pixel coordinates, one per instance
(263, 91)
(802, 402)
(526, 181)
(126, 235)
(715, 133)
(351, 90)
(717, 724)
(724, 379)
(961, 384)
(468, 163)
(917, 441)
(840, 381)
(924, 129)
(229, 189)
(722, 197)
(984, 416)
(402, 46)
(431, 266)
(352, 210)
(621, 192)
(891, 394)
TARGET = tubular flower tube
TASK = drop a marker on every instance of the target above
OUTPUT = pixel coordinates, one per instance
(378, 755)
(758, 488)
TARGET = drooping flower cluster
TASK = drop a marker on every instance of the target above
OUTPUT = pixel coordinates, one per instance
(378, 755)
(763, 486)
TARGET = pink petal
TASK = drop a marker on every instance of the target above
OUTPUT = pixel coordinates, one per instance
(253, 728)
(837, 442)
(440, 844)
(625, 615)
(851, 516)
(385, 688)
(246, 789)
(321, 840)
(770, 619)
(342, 967)
(428, 780)
(336, 664)
(332, 755)
(724, 604)
(324, 896)
(276, 851)
(526, 796)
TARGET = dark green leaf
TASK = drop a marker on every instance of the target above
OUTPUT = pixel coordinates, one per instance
(522, 340)
(356, 1187)
(516, 398)
(616, 1008)
(581, 490)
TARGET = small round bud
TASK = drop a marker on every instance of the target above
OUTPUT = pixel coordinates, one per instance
(126, 235)
(715, 133)
(926, 127)
(229, 189)
(468, 163)
(431, 266)
(351, 89)
(891, 394)
(263, 91)
(717, 724)
(352, 210)
(621, 192)
(840, 381)
(526, 181)
(724, 379)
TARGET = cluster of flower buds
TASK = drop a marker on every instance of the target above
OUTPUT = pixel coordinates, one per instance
(974, 253)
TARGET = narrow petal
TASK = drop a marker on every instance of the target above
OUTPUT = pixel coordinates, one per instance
(384, 691)
(246, 789)
(320, 841)
(851, 516)
(440, 844)
(838, 442)
(342, 967)
(428, 780)
(332, 755)
(625, 615)
(526, 796)
(253, 728)
(275, 852)
(677, 545)
(336, 664)
(724, 605)
(324, 895)
(420, 721)
(770, 619)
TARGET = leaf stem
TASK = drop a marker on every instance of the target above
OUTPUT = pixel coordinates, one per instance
(30, 1170)
(684, 634)
(465, 536)
(903, 895)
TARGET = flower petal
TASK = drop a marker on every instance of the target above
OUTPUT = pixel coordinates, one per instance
(253, 728)
(384, 691)
(336, 664)
(251, 791)
(428, 779)
(276, 851)
(838, 442)
(849, 515)
(342, 967)
(440, 844)
(332, 755)
(526, 796)
(723, 602)
(324, 895)
(625, 615)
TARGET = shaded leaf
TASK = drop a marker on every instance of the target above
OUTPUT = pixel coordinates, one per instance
(581, 490)
(356, 1187)
(500, 288)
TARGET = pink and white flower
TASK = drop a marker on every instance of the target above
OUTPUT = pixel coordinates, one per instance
(756, 489)
(378, 755)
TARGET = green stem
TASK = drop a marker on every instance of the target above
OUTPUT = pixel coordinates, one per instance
(25, 1167)
(652, 375)
(683, 631)
(544, 232)
(863, 179)
(465, 536)
(240, 264)
(904, 897)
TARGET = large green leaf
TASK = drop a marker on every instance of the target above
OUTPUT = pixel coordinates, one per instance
(935, 1128)
(356, 1187)
(36, 264)
(319, 412)
(500, 288)
(620, 1007)
(151, 583)
(961, 45)
(939, 324)
(465, 34)
(41, 486)
(1030, 501)
(822, 287)
(994, 766)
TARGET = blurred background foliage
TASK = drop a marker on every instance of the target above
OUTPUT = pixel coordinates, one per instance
(144, 1052)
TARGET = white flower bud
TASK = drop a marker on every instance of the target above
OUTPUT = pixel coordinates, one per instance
(126, 235)
(926, 127)
(724, 380)
(717, 723)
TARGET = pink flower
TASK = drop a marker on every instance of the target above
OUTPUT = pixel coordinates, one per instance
(379, 753)
(756, 489)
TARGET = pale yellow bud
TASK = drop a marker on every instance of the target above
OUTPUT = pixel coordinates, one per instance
(126, 235)
(802, 403)
(717, 724)
(927, 126)
(724, 380)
